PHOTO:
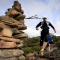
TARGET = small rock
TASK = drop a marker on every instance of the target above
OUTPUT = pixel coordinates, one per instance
(42, 59)
(20, 45)
(58, 44)
(14, 58)
(17, 52)
(30, 56)
(21, 57)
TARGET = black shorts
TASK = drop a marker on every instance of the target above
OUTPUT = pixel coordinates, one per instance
(43, 38)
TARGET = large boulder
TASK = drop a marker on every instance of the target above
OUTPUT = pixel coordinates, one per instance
(20, 17)
(17, 52)
(8, 53)
(11, 39)
(16, 3)
(18, 8)
(12, 13)
(6, 32)
(2, 25)
(13, 58)
(22, 35)
(9, 20)
(22, 27)
(16, 31)
(7, 44)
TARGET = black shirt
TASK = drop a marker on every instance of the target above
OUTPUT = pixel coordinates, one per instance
(45, 27)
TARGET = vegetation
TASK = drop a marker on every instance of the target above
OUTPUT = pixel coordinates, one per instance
(32, 44)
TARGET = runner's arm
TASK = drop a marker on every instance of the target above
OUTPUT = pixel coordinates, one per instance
(52, 27)
(38, 25)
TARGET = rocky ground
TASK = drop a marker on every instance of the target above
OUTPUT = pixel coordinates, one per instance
(54, 55)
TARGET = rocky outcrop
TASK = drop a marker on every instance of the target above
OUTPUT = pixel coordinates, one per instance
(55, 54)
(35, 56)
(11, 34)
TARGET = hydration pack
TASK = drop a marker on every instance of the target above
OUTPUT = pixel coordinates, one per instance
(50, 39)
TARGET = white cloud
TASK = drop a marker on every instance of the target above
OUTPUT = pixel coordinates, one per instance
(36, 7)
(4, 5)
(32, 32)
(58, 26)
(41, 8)
(49, 8)
(54, 4)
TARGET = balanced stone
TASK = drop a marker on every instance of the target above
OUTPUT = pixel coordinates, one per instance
(11, 26)
(22, 57)
(13, 58)
(22, 35)
(7, 53)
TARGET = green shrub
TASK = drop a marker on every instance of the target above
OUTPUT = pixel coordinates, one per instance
(56, 38)
(36, 48)
(27, 50)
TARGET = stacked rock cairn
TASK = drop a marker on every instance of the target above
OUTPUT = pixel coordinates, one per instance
(11, 34)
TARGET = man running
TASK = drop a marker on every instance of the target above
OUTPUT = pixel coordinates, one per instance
(44, 33)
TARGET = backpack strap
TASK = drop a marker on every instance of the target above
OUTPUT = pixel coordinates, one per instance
(42, 23)
(47, 23)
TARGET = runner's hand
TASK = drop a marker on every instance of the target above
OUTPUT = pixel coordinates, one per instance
(36, 28)
(54, 30)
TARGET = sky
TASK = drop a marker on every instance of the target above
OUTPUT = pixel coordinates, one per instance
(49, 8)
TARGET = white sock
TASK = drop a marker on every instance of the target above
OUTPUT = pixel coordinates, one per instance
(42, 49)
(49, 49)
